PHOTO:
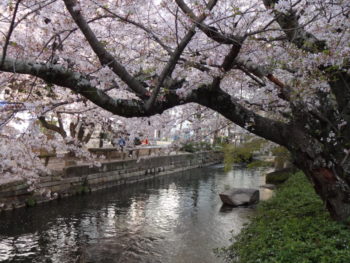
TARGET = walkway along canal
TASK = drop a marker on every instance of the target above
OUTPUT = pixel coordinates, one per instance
(172, 218)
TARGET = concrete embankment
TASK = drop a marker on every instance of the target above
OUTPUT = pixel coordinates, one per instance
(83, 179)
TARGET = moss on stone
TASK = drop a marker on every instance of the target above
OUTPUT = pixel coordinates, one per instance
(83, 189)
(31, 201)
(280, 176)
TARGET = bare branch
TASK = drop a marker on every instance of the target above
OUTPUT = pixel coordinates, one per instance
(210, 31)
(8, 36)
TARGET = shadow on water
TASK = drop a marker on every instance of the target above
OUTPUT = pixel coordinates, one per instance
(175, 218)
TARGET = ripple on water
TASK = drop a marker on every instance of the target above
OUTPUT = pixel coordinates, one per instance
(176, 218)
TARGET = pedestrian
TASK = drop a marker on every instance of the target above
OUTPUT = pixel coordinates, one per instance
(121, 143)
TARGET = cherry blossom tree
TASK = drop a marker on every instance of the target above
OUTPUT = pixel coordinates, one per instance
(278, 68)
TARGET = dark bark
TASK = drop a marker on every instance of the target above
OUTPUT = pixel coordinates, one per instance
(323, 159)
(328, 184)
(52, 127)
(296, 34)
(81, 132)
(103, 55)
(324, 166)
(322, 162)
(88, 135)
(220, 101)
(72, 127)
(101, 137)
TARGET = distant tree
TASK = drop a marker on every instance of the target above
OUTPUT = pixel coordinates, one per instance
(80, 130)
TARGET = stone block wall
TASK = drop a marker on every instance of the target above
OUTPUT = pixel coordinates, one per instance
(84, 178)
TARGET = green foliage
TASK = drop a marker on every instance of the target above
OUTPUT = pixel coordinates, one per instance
(192, 147)
(280, 151)
(291, 227)
(282, 155)
(242, 153)
(188, 147)
(228, 150)
(31, 202)
(83, 189)
(220, 140)
(259, 164)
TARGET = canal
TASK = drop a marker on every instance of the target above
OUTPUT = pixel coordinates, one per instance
(175, 218)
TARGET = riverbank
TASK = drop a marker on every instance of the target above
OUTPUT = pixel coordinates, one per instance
(293, 226)
(81, 179)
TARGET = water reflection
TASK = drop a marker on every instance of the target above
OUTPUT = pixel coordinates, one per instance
(177, 218)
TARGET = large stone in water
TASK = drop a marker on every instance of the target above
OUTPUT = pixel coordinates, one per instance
(240, 196)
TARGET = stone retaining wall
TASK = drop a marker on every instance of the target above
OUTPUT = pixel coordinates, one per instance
(83, 179)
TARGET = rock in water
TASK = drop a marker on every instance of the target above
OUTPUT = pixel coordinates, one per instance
(240, 196)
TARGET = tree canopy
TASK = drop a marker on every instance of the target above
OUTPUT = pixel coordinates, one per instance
(278, 68)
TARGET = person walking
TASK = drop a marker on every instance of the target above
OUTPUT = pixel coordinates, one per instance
(121, 143)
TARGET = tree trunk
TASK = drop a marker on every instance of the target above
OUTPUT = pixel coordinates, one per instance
(329, 184)
(102, 135)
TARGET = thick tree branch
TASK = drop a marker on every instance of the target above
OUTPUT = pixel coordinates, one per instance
(170, 66)
(295, 32)
(104, 56)
(262, 72)
(52, 127)
(339, 79)
(215, 99)
(69, 32)
(78, 83)
(227, 64)
(220, 101)
(89, 134)
(72, 127)
(229, 60)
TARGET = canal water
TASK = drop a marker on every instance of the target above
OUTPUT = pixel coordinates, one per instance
(175, 218)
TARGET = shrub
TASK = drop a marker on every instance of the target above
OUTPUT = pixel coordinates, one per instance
(196, 146)
(282, 155)
(258, 164)
(188, 147)
(228, 150)
(82, 189)
(291, 227)
(242, 154)
(30, 202)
